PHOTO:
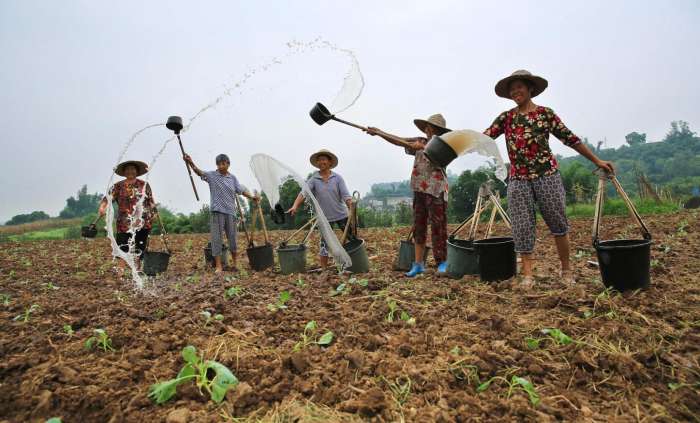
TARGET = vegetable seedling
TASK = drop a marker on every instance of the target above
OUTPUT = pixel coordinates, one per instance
(559, 337)
(24, 317)
(101, 339)
(54, 420)
(516, 382)
(300, 283)
(281, 302)
(308, 337)
(5, 299)
(208, 318)
(198, 369)
(233, 291)
(403, 314)
(68, 329)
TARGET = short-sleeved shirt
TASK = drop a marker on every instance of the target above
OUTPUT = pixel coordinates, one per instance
(527, 139)
(127, 196)
(427, 177)
(223, 190)
(331, 195)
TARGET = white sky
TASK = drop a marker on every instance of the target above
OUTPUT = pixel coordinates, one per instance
(79, 77)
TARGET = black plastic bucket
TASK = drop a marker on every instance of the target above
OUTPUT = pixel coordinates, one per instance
(358, 255)
(155, 262)
(624, 263)
(462, 258)
(209, 259)
(439, 152)
(497, 259)
(261, 257)
(88, 231)
(407, 255)
(292, 258)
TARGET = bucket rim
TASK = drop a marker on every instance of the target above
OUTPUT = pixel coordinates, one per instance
(461, 247)
(157, 253)
(494, 240)
(292, 247)
(624, 244)
(260, 247)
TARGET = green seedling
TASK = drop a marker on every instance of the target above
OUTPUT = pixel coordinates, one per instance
(345, 287)
(49, 286)
(456, 351)
(159, 314)
(5, 299)
(101, 339)
(24, 317)
(233, 291)
(681, 228)
(54, 420)
(654, 263)
(194, 278)
(532, 343)
(68, 329)
(407, 318)
(208, 318)
(13, 274)
(281, 303)
(674, 386)
(559, 337)
(188, 245)
(516, 382)
(581, 254)
(200, 370)
(403, 315)
(309, 337)
(463, 371)
(300, 283)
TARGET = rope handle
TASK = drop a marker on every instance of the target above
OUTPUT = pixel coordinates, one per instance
(603, 177)
(163, 233)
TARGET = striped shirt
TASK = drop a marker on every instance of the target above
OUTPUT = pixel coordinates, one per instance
(223, 190)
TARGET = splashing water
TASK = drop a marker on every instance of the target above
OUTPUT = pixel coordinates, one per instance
(353, 84)
(271, 174)
(468, 141)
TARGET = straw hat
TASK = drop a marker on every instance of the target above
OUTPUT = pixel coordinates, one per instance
(437, 121)
(538, 83)
(323, 152)
(141, 167)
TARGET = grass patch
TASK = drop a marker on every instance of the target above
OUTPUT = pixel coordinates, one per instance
(617, 207)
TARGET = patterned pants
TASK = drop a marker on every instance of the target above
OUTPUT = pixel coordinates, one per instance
(425, 207)
(323, 252)
(549, 195)
(218, 223)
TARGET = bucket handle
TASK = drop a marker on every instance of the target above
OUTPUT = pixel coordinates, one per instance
(600, 199)
(163, 233)
(351, 226)
(309, 222)
(240, 214)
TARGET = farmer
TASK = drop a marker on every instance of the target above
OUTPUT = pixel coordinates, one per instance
(429, 185)
(534, 177)
(331, 192)
(128, 194)
(223, 188)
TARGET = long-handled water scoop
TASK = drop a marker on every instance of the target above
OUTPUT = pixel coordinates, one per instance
(174, 123)
(320, 114)
(311, 222)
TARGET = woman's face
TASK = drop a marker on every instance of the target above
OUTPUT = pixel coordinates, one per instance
(323, 162)
(130, 172)
(429, 131)
(519, 92)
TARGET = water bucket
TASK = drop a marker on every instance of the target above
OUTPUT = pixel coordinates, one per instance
(624, 263)
(356, 250)
(88, 231)
(261, 257)
(210, 259)
(155, 262)
(439, 152)
(407, 255)
(292, 258)
(462, 258)
(497, 259)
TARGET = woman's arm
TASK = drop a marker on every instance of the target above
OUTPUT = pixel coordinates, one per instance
(496, 129)
(393, 139)
(586, 152)
(559, 130)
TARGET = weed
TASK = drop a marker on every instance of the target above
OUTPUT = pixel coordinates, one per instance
(234, 291)
(5, 299)
(400, 389)
(309, 337)
(24, 317)
(101, 339)
(198, 369)
(68, 329)
(281, 302)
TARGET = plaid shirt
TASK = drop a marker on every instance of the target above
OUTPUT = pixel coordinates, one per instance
(527, 139)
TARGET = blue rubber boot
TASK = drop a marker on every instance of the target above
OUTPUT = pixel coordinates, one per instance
(416, 269)
(442, 267)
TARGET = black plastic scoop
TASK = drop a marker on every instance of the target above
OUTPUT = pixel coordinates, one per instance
(174, 123)
(320, 114)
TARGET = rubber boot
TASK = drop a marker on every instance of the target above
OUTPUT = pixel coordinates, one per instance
(416, 269)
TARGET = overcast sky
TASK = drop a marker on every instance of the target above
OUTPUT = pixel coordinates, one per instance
(79, 77)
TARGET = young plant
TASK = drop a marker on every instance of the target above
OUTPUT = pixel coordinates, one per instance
(516, 382)
(24, 317)
(308, 337)
(200, 370)
(559, 337)
(101, 339)
(403, 314)
(233, 291)
(300, 283)
(281, 302)
(5, 299)
(208, 318)
(68, 329)
(49, 286)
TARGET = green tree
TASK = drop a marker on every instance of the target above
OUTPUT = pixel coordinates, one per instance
(463, 193)
(80, 205)
(27, 218)
(574, 174)
(635, 138)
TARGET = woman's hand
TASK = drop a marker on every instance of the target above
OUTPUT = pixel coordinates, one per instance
(373, 131)
(292, 211)
(606, 166)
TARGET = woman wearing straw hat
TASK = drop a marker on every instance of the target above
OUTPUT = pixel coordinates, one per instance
(429, 185)
(534, 177)
(130, 194)
(331, 193)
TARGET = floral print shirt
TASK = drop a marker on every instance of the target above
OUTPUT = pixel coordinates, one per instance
(527, 139)
(427, 177)
(127, 197)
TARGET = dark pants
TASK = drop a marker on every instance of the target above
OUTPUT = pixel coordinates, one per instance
(427, 208)
(141, 241)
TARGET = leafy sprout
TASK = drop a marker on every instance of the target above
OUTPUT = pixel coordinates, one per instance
(200, 370)
(234, 291)
(68, 329)
(559, 337)
(24, 317)
(309, 337)
(208, 318)
(281, 302)
(5, 299)
(100, 339)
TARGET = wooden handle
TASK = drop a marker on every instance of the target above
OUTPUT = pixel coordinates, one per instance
(187, 165)
(262, 222)
(310, 221)
(240, 214)
(354, 125)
